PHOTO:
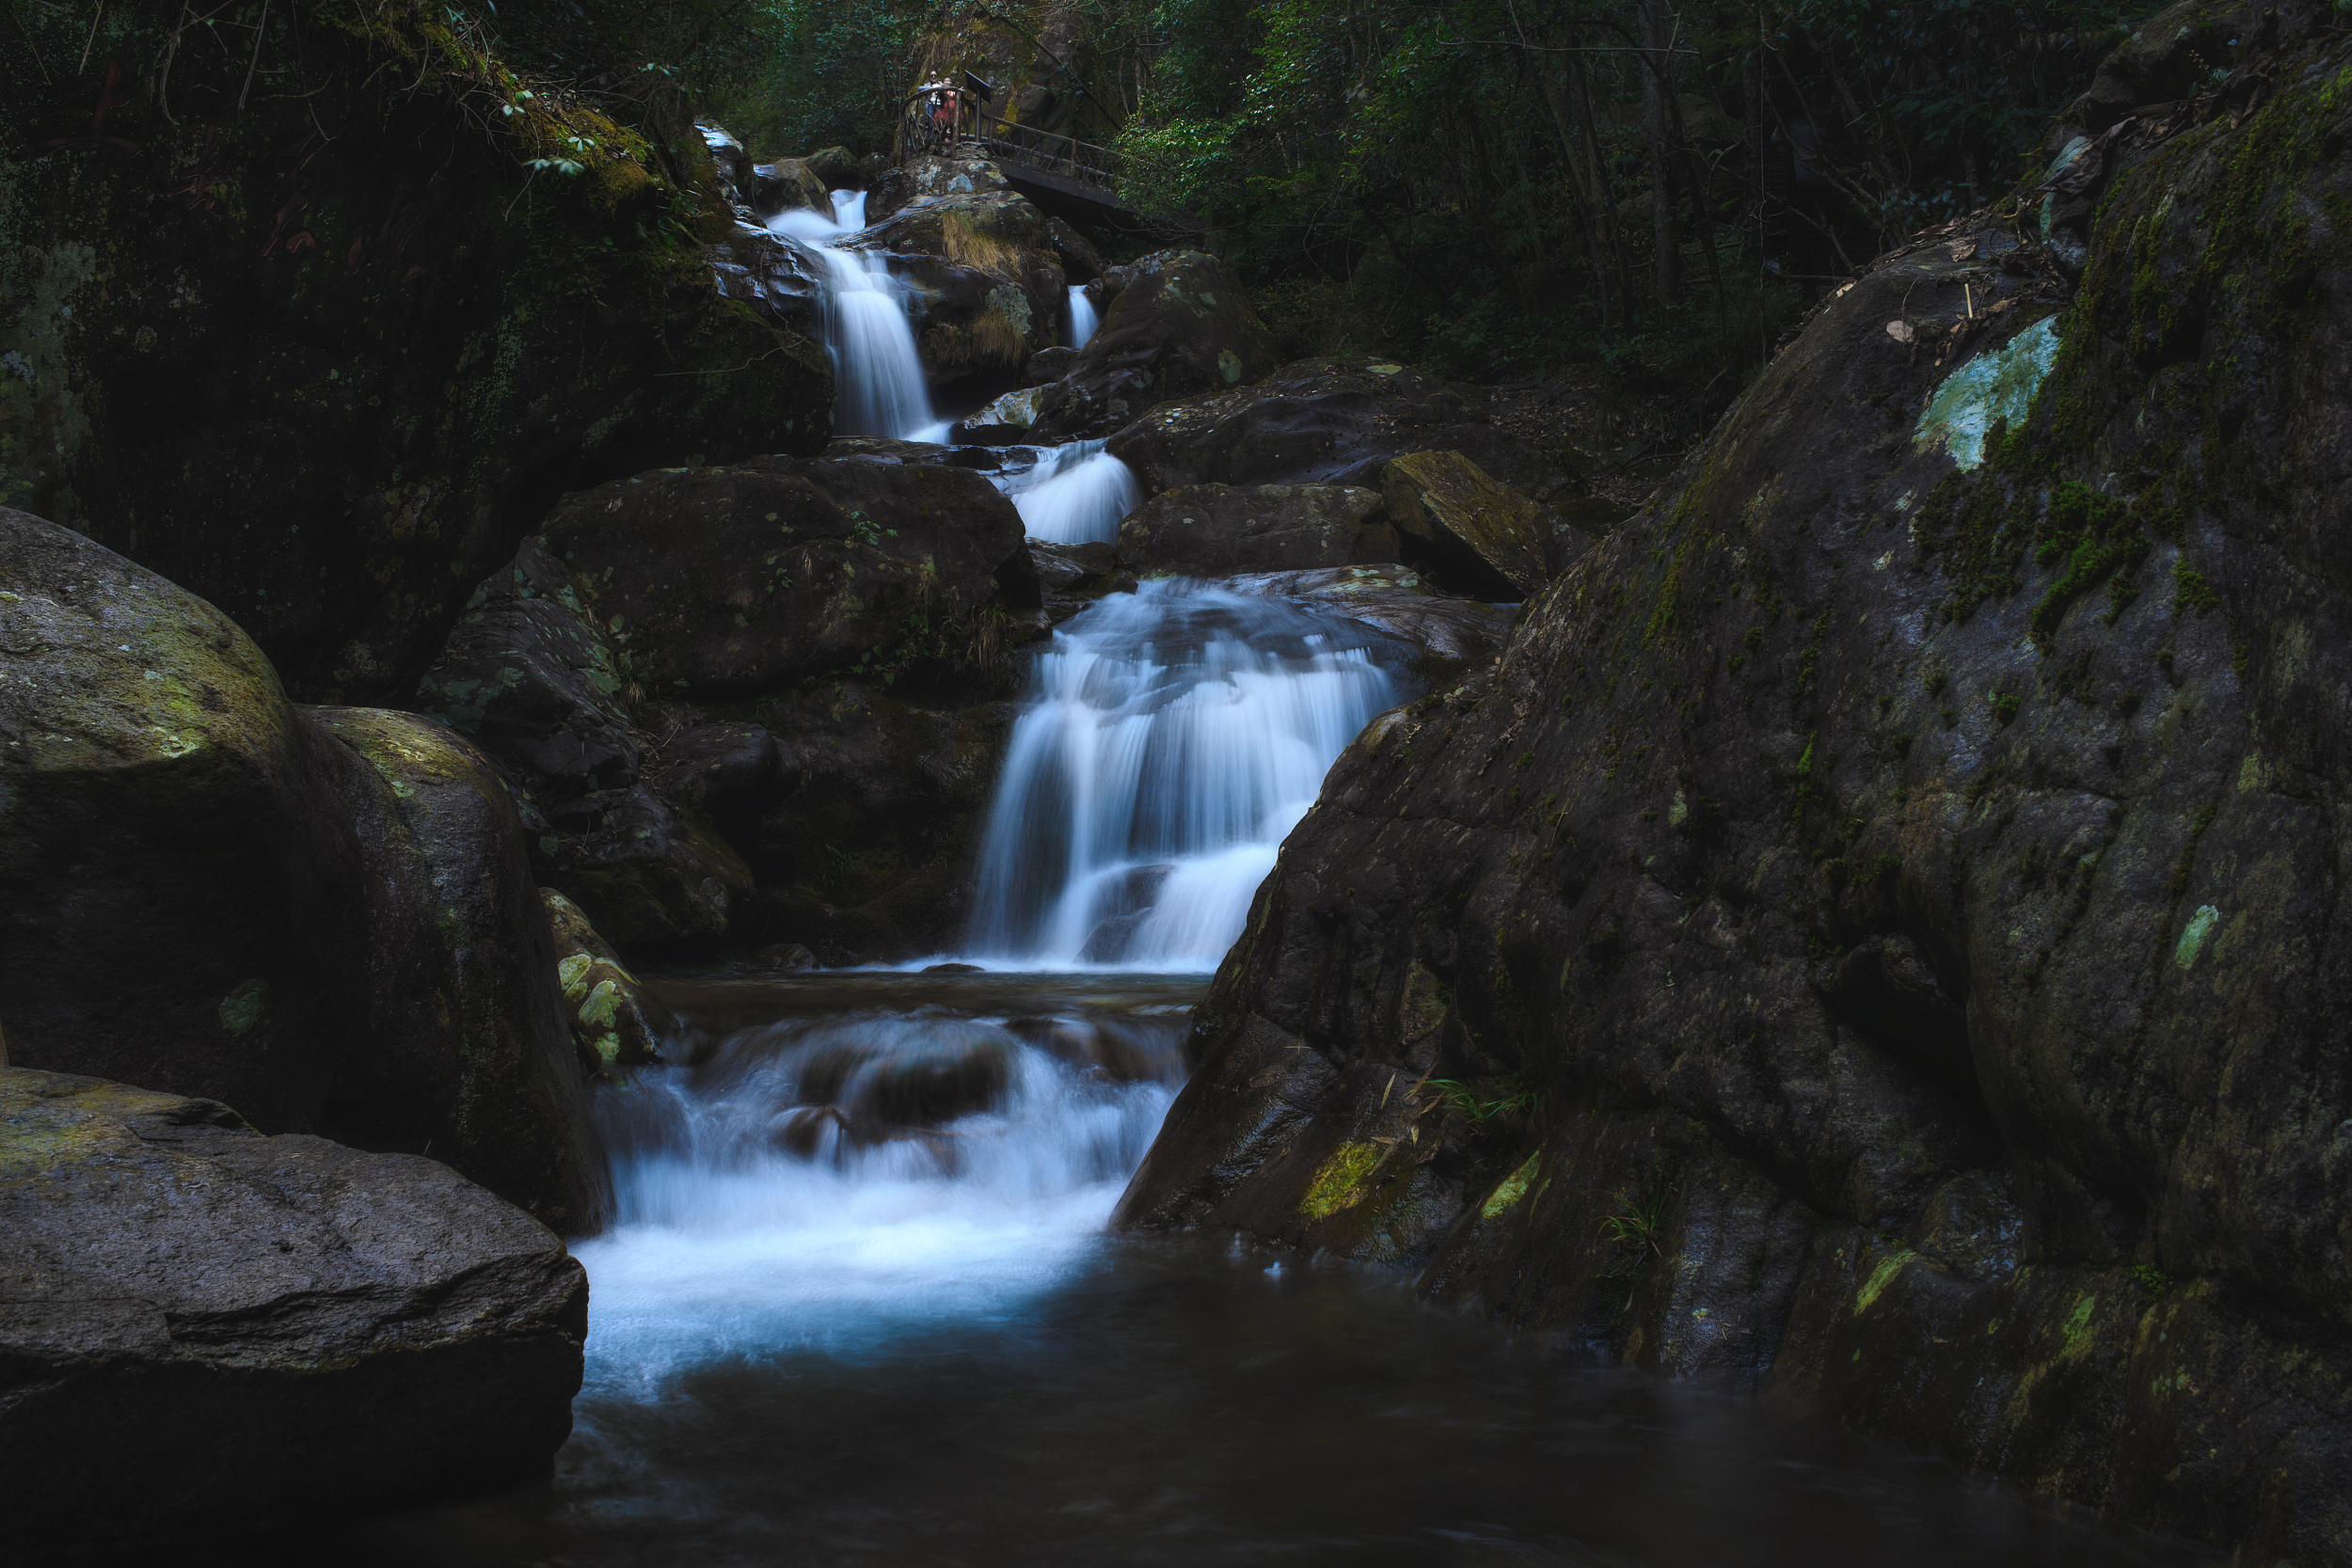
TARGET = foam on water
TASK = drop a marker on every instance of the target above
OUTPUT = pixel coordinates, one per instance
(879, 389)
(1077, 494)
(1171, 739)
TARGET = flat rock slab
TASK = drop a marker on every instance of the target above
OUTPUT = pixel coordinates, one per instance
(204, 1328)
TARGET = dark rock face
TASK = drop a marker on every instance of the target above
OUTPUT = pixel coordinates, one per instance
(1873, 936)
(649, 874)
(326, 915)
(186, 1297)
(1450, 509)
(1322, 421)
(735, 581)
(1213, 531)
(1176, 323)
(527, 674)
(465, 1052)
(870, 854)
(354, 366)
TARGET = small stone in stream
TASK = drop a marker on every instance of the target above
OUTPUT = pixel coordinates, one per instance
(811, 1131)
(954, 1069)
(787, 955)
(282, 1326)
(954, 969)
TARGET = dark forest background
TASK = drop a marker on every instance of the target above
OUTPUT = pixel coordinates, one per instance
(1651, 189)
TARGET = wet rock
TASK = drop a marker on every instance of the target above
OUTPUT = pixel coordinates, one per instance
(1327, 421)
(989, 280)
(952, 1070)
(528, 675)
(464, 1050)
(615, 1020)
(790, 956)
(1047, 365)
(1105, 1048)
(724, 771)
(872, 851)
(1177, 322)
(1868, 937)
(788, 185)
(188, 1297)
(1214, 530)
(1449, 505)
(1080, 262)
(882, 449)
(811, 1131)
(182, 895)
(778, 278)
(732, 165)
(647, 874)
(1073, 576)
(398, 377)
(952, 969)
(736, 582)
(1399, 602)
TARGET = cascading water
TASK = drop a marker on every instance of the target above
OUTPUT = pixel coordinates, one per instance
(1173, 736)
(878, 373)
(1082, 317)
(1077, 494)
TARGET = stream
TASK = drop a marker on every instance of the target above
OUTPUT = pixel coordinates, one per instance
(859, 1303)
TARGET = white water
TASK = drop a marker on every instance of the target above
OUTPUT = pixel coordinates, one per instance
(1173, 738)
(1077, 494)
(1082, 317)
(878, 375)
(728, 1245)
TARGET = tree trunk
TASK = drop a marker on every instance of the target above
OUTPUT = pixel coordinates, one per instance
(1657, 83)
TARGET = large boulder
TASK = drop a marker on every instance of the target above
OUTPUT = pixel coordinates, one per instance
(988, 289)
(739, 580)
(203, 888)
(356, 366)
(182, 895)
(282, 1325)
(1214, 530)
(1177, 323)
(1327, 421)
(465, 1051)
(1875, 937)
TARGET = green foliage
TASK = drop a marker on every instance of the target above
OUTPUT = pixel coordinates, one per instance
(1513, 1094)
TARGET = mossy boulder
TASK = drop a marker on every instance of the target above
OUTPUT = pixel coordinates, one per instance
(615, 1022)
(465, 1052)
(1214, 530)
(1177, 322)
(1449, 505)
(742, 580)
(327, 914)
(186, 1297)
(356, 354)
(988, 283)
(1327, 421)
(1871, 937)
(182, 895)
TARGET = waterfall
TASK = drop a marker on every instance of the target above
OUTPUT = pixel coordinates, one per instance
(1171, 739)
(877, 374)
(1082, 317)
(1077, 494)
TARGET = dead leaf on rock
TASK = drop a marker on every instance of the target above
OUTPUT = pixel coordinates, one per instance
(1962, 249)
(1901, 332)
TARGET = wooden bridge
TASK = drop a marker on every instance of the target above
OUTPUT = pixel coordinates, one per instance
(1054, 170)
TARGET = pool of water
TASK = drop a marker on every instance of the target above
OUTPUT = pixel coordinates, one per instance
(926, 1350)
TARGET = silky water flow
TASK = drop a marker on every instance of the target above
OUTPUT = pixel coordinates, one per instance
(859, 1302)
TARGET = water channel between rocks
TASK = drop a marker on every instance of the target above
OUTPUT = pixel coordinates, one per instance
(860, 1302)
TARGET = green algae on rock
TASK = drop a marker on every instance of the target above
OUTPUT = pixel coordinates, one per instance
(1929, 924)
(615, 1022)
(1995, 387)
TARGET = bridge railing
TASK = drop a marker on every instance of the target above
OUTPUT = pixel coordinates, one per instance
(1066, 156)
